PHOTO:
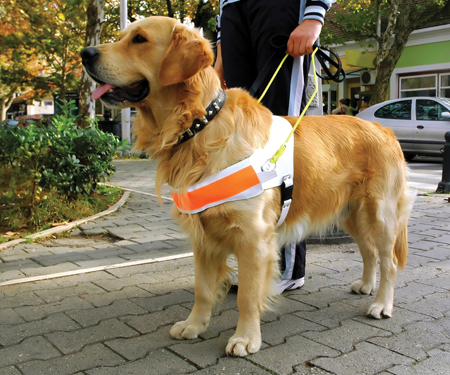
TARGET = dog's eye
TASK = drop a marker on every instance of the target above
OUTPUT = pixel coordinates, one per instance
(139, 39)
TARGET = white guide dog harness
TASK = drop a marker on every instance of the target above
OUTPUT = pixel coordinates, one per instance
(248, 178)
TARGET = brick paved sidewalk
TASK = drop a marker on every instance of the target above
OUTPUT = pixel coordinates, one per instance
(117, 320)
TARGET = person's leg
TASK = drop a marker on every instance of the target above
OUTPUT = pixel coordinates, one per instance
(238, 57)
(247, 29)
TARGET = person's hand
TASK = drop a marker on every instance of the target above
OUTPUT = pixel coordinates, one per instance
(218, 66)
(303, 37)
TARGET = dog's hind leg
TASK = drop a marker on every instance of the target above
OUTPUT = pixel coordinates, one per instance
(209, 274)
(375, 228)
(393, 249)
(353, 225)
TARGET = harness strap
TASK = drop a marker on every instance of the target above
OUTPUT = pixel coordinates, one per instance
(245, 179)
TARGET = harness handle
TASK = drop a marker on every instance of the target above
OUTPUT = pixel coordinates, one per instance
(279, 44)
(281, 150)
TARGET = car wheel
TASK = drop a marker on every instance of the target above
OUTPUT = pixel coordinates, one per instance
(409, 157)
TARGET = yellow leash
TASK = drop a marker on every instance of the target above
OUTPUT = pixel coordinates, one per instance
(281, 150)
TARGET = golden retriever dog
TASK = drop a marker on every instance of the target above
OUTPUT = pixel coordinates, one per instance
(347, 171)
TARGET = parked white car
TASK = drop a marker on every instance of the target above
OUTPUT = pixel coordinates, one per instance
(419, 123)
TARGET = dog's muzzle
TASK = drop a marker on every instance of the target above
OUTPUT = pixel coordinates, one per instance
(109, 93)
(89, 56)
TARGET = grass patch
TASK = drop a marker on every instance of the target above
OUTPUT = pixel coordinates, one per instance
(17, 221)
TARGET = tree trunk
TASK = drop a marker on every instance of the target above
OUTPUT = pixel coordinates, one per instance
(169, 9)
(3, 109)
(93, 31)
(5, 102)
(401, 27)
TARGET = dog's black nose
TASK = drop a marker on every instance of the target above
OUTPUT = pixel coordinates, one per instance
(89, 55)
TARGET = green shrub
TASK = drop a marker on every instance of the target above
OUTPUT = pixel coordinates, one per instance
(62, 157)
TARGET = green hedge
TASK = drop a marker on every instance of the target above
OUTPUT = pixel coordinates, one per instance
(62, 156)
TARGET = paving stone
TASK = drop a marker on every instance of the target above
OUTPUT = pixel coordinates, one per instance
(92, 316)
(94, 277)
(98, 262)
(151, 255)
(333, 315)
(365, 359)
(416, 260)
(437, 363)
(9, 371)
(401, 317)
(161, 362)
(276, 332)
(432, 305)
(415, 341)
(225, 321)
(9, 316)
(439, 282)
(23, 299)
(204, 353)
(61, 267)
(9, 265)
(52, 260)
(19, 289)
(159, 303)
(90, 357)
(58, 294)
(326, 296)
(315, 282)
(29, 349)
(106, 298)
(15, 333)
(70, 342)
(109, 252)
(11, 275)
(144, 245)
(31, 313)
(344, 337)
(425, 245)
(297, 350)
(138, 347)
(151, 322)
(413, 292)
(118, 284)
(230, 366)
(439, 252)
(162, 287)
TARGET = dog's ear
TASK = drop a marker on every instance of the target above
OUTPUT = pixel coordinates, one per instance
(186, 56)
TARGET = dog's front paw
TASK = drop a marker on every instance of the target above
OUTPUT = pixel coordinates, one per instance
(360, 287)
(184, 330)
(378, 311)
(242, 346)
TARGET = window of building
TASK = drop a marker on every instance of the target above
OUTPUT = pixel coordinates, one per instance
(398, 111)
(418, 86)
(445, 86)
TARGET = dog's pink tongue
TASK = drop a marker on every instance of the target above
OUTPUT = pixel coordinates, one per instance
(101, 90)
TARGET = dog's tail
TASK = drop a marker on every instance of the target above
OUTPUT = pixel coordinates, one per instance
(404, 207)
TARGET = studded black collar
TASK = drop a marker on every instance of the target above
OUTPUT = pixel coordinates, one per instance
(199, 124)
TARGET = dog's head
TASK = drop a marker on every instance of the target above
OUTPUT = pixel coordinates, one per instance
(150, 54)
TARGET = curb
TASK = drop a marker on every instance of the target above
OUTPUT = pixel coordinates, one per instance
(70, 225)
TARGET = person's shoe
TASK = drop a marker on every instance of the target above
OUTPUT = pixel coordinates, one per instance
(283, 285)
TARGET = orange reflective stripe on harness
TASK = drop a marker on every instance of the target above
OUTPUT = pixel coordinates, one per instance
(219, 190)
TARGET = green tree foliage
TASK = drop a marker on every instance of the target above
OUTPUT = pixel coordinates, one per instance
(39, 46)
(201, 12)
(40, 40)
(356, 20)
